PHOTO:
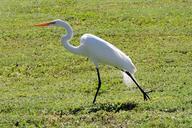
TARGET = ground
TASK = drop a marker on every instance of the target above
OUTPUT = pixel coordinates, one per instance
(44, 85)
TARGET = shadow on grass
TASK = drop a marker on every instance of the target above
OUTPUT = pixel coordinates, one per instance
(108, 107)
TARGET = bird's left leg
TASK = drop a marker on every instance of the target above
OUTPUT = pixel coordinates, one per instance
(99, 85)
(146, 97)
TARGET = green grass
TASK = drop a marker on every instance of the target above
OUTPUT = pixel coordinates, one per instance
(43, 85)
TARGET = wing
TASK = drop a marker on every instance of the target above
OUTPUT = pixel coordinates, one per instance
(100, 51)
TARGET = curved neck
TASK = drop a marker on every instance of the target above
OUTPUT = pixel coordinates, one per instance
(66, 38)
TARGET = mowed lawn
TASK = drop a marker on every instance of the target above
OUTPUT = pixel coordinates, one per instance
(44, 85)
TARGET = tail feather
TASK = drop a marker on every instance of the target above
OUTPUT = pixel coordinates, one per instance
(126, 79)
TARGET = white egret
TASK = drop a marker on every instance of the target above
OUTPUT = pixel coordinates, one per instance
(98, 51)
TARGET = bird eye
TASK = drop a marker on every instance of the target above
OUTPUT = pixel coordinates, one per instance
(53, 22)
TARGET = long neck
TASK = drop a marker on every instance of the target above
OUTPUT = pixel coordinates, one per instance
(66, 38)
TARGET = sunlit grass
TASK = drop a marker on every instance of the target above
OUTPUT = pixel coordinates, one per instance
(43, 85)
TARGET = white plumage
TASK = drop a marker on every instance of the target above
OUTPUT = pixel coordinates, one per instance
(100, 52)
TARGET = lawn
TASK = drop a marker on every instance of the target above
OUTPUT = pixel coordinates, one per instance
(44, 85)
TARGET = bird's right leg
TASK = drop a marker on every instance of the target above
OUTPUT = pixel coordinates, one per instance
(99, 85)
(146, 97)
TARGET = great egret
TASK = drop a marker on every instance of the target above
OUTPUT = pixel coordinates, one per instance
(98, 51)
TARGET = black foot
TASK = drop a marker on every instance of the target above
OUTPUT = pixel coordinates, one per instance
(145, 96)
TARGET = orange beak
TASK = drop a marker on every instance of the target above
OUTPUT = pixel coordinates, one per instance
(43, 24)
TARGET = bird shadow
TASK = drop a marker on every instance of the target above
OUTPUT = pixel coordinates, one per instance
(108, 107)
(112, 107)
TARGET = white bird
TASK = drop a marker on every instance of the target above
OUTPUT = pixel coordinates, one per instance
(98, 51)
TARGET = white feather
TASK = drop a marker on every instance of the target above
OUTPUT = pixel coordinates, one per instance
(127, 80)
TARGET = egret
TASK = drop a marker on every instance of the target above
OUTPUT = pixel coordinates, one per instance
(98, 51)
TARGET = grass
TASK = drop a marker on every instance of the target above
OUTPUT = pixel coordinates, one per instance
(43, 85)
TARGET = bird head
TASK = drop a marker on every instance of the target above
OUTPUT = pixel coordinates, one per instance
(51, 23)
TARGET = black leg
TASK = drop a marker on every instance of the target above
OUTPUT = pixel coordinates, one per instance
(146, 97)
(99, 85)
